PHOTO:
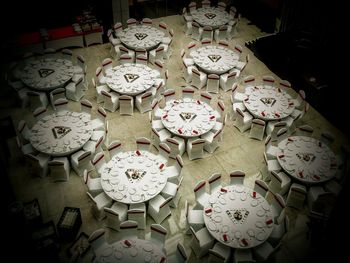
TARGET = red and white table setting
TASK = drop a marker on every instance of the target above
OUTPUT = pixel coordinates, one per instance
(211, 16)
(47, 74)
(306, 159)
(61, 133)
(238, 217)
(130, 250)
(188, 117)
(133, 177)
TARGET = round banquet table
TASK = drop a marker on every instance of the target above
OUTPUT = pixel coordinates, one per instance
(141, 36)
(214, 59)
(307, 159)
(47, 74)
(131, 250)
(268, 103)
(238, 217)
(61, 133)
(188, 117)
(211, 16)
(131, 79)
(133, 177)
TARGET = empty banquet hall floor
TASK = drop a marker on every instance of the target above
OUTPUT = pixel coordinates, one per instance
(237, 151)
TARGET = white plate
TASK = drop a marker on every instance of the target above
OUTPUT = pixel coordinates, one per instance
(260, 236)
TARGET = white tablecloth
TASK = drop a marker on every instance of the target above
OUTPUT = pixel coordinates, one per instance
(188, 117)
(236, 218)
(214, 59)
(211, 16)
(47, 74)
(141, 36)
(268, 103)
(131, 178)
(131, 79)
(307, 159)
(61, 133)
(133, 250)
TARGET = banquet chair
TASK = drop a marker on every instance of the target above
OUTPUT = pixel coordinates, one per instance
(125, 58)
(199, 79)
(207, 32)
(263, 251)
(319, 200)
(271, 165)
(99, 202)
(169, 95)
(156, 54)
(327, 138)
(61, 105)
(238, 49)
(261, 187)
(155, 124)
(128, 230)
(195, 148)
(299, 101)
(99, 162)
(222, 33)
(227, 80)
(94, 146)
(257, 129)
(67, 54)
(93, 184)
(296, 196)
(85, 106)
(194, 218)
(163, 27)
(99, 123)
(157, 112)
(223, 43)
(114, 148)
(187, 93)
(205, 3)
(159, 65)
(200, 195)
(278, 205)
(172, 190)
(284, 84)
(273, 127)
(147, 21)
(75, 91)
(158, 208)
(196, 31)
(270, 150)
(40, 112)
(222, 6)
(304, 130)
(110, 100)
(160, 136)
(143, 102)
(280, 183)
(99, 89)
(282, 134)
(268, 81)
(121, 50)
(143, 144)
(115, 215)
(214, 182)
(141, 51)
(23, 132)
(57, 94)
(211, 140)
(201, 242)
(187, 27)
(192, 6)
(205, 97)
(37, 99)
(126, 105)
(219, 253)
(243, 120)
(158, 235)
(118, 28)
(237, 177)
(235, 95)
(206, 41)
(141, 59)
(213, 83)
(180, 255)
(164, 152)
(97, 239)
(138, 215)
(177, 146)
(59, 168)
(100, 77)
(173, 172)
(131, 22)
(81, 161)
(37, 164)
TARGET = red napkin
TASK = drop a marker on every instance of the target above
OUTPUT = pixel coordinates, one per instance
(245, 242)
(301, 174)
(194, 131)
(225, 237)
(127, 242)
(254, 194)
(162, 260)
(180, 131)
(263, 113)
(223, 190)
(281, 156)
(138, 153)
(208, 210)
(198, 101)
(269, 222)
(277, 115)
(161, 166)
(164, 116)
(212, 117)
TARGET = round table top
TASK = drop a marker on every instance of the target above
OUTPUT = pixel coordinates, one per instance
(141, 36)
(211, 16)
(131, 250)
(236, 218)
(47, 74)
(133, 177)
(61, 133)
(268, 103)
(131, 79)
(307, 159)
(214, 59)
(188, 117)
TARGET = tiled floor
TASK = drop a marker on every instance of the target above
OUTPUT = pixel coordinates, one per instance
(237, 151)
